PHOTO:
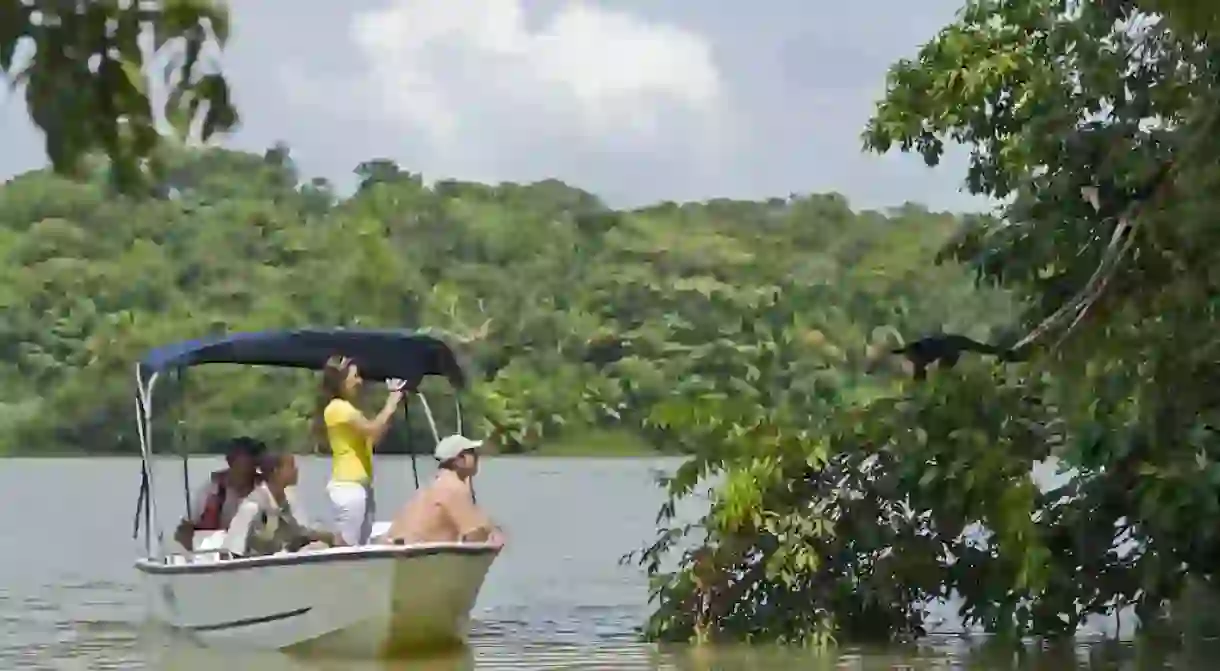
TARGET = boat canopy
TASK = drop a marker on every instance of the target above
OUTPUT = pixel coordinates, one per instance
(380, 353)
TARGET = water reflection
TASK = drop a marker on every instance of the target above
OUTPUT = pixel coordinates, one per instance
(552, 601)
(179, 655)
(940, 654)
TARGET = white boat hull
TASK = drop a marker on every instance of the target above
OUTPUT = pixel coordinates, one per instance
(371, 601)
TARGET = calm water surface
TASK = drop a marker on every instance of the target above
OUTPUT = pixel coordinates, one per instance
(556, 598)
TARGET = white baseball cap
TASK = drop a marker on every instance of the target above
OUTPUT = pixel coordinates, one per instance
(451, 446)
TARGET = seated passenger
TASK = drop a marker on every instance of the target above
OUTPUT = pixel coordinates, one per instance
(444, 510)
(215, 501)
(269, 520)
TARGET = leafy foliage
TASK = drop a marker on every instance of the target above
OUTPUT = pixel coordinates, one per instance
(84, 72)
(1191, 16)
(575, 317)
(1095, 127)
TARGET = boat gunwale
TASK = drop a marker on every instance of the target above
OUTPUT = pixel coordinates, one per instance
(330, 555)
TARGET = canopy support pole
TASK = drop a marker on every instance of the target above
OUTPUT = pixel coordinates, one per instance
(457, 408)
(436, 436)
(144, 395)
(406, 422)
(428, 414)
(180, 439)
(142, 499)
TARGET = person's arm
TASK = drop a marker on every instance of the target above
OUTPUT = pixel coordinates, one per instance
(473, 525)
(238, 534)
(374, 429)
(305, 533)
(330, 538)
(293, 516)
(185, 533)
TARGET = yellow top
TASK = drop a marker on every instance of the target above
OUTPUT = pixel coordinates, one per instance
(351, 449)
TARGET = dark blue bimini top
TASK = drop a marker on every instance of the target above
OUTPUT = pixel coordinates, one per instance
(380, 354)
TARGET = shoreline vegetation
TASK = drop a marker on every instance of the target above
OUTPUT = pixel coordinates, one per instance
(592, 445)
(769, 341)
(576, 321)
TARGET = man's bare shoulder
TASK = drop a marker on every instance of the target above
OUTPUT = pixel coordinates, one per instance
(432, 494)
(450, 489)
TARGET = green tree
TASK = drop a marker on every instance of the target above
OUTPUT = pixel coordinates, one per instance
(1095, 127)
(1107, 152)
(86, 82)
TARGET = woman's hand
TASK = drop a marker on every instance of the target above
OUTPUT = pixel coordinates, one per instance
(396, 385)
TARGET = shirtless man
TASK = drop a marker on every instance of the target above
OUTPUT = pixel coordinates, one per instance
(445, 511)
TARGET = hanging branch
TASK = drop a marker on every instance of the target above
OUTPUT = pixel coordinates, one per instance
(1121, 241)
(470, 335)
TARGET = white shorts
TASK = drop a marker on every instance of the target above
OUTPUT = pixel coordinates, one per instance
(353, 508)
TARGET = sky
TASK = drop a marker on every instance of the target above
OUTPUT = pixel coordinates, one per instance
(635, 100)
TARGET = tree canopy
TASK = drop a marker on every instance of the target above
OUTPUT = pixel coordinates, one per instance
(575, 318)
(1095, 125)
(85, 74)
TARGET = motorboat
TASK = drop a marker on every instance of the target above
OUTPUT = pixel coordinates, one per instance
(376, 600)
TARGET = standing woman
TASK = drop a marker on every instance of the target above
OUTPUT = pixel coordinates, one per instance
(351, 437)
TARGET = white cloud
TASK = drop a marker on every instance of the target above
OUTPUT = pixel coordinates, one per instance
(478, 78)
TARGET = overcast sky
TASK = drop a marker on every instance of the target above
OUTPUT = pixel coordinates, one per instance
(635, 100)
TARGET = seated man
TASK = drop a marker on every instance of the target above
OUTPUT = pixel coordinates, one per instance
(268, 520)
(216, 501)
(444, 510)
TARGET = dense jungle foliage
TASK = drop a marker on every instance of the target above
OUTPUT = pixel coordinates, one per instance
(744, 333)
(579, 319)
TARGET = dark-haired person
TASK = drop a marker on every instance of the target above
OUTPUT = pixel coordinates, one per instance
(351, 437)
(444, 510)
(269, 520)
(216, 501)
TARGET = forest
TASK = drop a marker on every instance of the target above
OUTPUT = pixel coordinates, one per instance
(575, 320)
(754, 337)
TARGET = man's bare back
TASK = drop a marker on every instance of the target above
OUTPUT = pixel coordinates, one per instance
(423, 520)
(442, 512)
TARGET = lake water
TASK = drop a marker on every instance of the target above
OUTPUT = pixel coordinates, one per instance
(556, 598)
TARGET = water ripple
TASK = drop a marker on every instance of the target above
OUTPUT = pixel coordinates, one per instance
(552, 601)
